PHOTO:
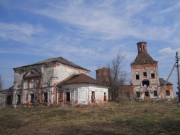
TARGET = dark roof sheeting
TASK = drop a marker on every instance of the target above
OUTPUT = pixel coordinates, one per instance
(143, 58)
(58, 59)
(81, 79)
(162, 82)
(6, 91)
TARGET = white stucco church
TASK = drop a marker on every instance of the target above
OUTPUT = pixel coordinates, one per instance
(56, 81)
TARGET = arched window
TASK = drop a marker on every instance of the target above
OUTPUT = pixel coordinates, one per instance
(137, 76)
(153, 75)
(143, 48)
(145, 83)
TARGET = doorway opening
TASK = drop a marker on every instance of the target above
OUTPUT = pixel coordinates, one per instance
(9, 100)
(105, 96)
(68, 96)
(93, 96)
(146, 93)
(32, 98)
(18, 99)
(45, 97)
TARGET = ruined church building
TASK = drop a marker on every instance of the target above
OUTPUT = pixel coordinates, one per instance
(59, 81)
(146, 84)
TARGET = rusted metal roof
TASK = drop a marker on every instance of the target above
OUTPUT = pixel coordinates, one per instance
(7, 91)
(162, 82)
(143, 58)
(81, 79)
(58, 59)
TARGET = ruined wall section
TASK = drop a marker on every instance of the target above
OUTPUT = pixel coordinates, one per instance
(149, 69)
(20, 72)
(164, 93)
(52, 73)
(154, 84)
(49, 74)
(82, 93)
(62, 72)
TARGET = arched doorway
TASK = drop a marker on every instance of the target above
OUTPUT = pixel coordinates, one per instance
(146, 95)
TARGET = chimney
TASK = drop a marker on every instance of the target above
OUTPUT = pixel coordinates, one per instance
(103, 74)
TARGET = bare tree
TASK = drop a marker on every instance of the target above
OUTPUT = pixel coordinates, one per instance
(115, 76)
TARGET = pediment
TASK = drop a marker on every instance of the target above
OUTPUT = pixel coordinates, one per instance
(32, 74)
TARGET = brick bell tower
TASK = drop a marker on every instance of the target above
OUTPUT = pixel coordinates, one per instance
(145, 77)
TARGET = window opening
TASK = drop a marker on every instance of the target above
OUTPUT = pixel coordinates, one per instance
(19, 99)
(105, 96)
(128, 94)
(146, 93)
(145, 74)
(152, 75)
(46, 97)
(9, 100)
(32, 98)
(155, 93)
(138, 94)
(93, 96)
(67, 96)
(137, 77)
(167, 93)
(145, 83)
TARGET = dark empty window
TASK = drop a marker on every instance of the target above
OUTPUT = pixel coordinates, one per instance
(145, 74)
(137, 77)
(152, 75)
(32, 98)
(9, 100)
(46, 97)
(167, 93)
(147, 93)
(155, 93)
(138, 94)
(128, 94)
(67, 96)
(145, 83)
(18, 99)
(105, 96)
(93, 96)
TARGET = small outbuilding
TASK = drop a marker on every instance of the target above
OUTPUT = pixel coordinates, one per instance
(82, 89)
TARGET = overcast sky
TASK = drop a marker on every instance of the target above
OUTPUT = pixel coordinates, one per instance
(87, 32)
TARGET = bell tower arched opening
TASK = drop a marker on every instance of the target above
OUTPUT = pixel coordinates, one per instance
(145, 83)
(142, 47)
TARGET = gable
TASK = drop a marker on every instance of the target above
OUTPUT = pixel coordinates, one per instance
(32, 74)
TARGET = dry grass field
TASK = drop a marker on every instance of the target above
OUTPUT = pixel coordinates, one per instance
(129, 118)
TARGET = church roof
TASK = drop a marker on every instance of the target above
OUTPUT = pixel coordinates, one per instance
(57, 59)
(143, 58)
(81, 79)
